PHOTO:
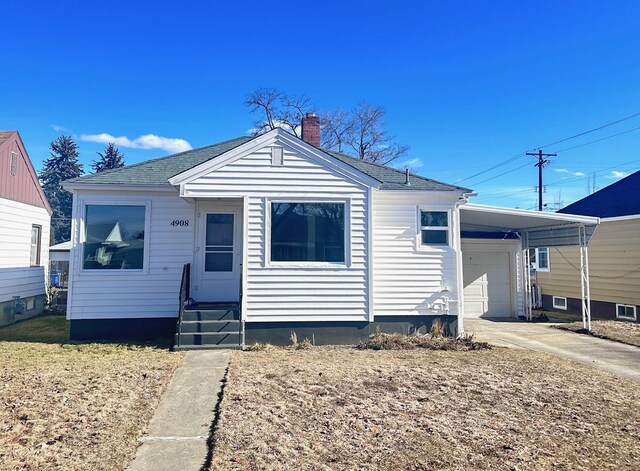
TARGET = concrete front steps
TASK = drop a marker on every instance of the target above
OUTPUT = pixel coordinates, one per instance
(209, 326)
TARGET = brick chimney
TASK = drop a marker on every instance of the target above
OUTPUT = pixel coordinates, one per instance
(311, 129)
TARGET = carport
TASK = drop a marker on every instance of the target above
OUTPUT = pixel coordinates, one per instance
(526, 230)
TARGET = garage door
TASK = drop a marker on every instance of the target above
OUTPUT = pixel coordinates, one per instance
(487, 284)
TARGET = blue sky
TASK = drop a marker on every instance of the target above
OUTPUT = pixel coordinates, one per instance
(466, 84)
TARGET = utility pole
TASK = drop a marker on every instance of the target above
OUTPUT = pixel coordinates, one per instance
(542, 161)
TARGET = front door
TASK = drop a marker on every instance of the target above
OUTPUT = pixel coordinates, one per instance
(218, 254)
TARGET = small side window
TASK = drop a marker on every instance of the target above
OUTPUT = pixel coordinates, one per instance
(543, 259)
(434, 228)
(36, 241)
(14, 164)
(31, 303)
(560, 302)
(626, 312)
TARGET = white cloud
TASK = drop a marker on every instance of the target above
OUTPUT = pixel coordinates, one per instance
(148, 141)
(411, 163)
(561, 170)
(616, 174)
(58, 128)
(579, 174)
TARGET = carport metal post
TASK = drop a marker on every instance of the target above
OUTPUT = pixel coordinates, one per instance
(526, 266)
(584, 277)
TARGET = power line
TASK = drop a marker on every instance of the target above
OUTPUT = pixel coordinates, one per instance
(635, 115)
(522, 154)
(598, 140)
(502, 174)
(566, 180)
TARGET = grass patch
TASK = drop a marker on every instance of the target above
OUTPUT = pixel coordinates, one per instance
(75, 406)
(343, 408)
(46, 329)
(618, 331)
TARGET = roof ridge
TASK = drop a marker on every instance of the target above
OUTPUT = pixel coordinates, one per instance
(342, 154)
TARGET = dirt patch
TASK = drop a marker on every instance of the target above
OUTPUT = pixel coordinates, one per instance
(76, 407)
(619, 331)
(341, 408)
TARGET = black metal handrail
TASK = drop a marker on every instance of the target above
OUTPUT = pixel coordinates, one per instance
(184, 296)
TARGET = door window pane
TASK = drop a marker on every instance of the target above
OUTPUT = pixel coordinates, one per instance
(307, 232)
(114, 237)
(218, 261)
(219, 246)
(219, 229)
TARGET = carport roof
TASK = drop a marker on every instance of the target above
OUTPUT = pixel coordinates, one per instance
(544, 229)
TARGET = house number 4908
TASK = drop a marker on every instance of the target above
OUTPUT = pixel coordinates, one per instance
(180, 222)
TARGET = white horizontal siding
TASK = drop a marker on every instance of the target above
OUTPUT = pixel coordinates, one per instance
(17, 278)
(122, 294)
(16, 220)
(406, 279)
(294, 293)
(23, 282)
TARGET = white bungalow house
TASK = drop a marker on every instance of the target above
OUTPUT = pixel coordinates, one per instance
(250, 239)
(25, 217)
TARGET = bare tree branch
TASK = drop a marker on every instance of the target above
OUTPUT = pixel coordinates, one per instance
(359, 131)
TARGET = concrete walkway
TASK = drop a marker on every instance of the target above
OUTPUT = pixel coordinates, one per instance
(614, 357)
(176, 438)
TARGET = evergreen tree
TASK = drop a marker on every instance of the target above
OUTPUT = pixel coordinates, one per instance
(60, 166)
(112, 158)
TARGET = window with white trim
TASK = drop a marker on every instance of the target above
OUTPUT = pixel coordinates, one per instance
(114, 237)
(560, 302)
(36, 243)
(626, 312)
(308, 232)
(539, 259)
(434, 228)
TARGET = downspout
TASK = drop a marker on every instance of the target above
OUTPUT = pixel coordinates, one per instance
(459, 265)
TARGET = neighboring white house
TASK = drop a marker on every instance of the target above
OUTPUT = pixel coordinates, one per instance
(25, 217)
(279, 235)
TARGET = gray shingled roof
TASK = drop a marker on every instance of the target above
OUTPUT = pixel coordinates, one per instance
(392, 178)
(158, 171)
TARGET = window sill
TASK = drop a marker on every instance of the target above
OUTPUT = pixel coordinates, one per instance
(113, 272)
(314, 265)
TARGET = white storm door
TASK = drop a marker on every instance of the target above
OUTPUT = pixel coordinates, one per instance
(219, 255)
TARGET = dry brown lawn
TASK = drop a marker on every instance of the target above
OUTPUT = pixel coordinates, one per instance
(339, 408)
(76, 407)
(620, 331)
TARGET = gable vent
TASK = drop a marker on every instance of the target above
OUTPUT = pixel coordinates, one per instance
(14, 163)
(276, 156)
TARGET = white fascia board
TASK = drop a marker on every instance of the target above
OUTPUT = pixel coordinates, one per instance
(440, 194)
(281, 137)
(630, 217)
(560, 217)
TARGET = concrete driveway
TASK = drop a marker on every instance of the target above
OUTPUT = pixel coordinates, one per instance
(614, 357)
